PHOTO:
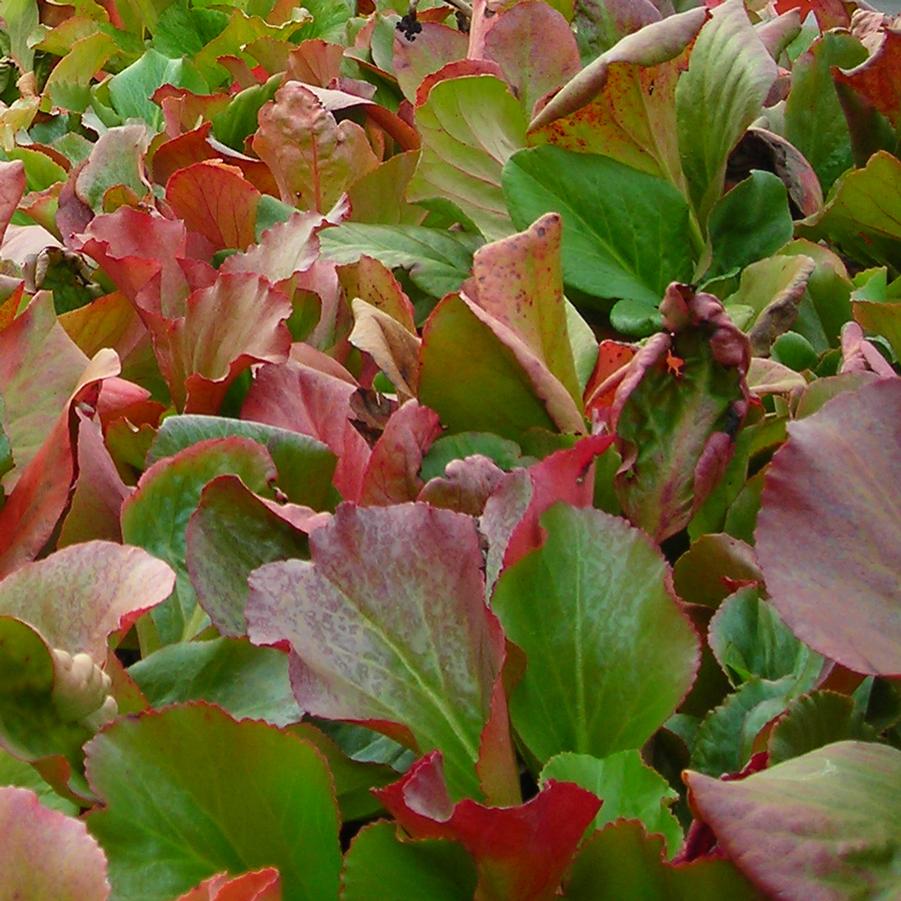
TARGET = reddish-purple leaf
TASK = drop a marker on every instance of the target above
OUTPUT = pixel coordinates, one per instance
(823, 826)
(41, 494)
(311, 402)
(465, 486)
(878, 78)
(47, 855)
(39, 369)
(12, 187)
(80, 595)
(511, 519)
(99, 490)
(827, 532)
(392, 475)
(388, 624)
(535, 48)
(231, 533)
(433, 47)
(520, 852)
(676, 411)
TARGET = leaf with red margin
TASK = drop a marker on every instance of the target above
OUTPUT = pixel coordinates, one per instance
(12, 187)
(676, 412)
(465, 486)
(623, 104)
(302, 399)
(231, 533)
(372, 281)
(520, 852)
(431, 49)
(604, 379)
(214, 199)
(156, 515)
(392, 476)
(388, 624)
(195, 147)
(829, 13)
(238, 320)
(828, 525)
(260, 885)
(878, 78)
(535, 48)
(39, 369)
(133, 246)
(285, 249)
(382, 864)
(622, 861)
(117, 159)
(824, 825)
(182, 109)
(42, 493)
(105, 587)
(169, 819)
(99, 490)
(46, 854)
(511, 518)
(518, 283)
(609, 657)
(312, 157)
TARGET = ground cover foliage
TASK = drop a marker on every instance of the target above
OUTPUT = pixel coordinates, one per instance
(450, 451)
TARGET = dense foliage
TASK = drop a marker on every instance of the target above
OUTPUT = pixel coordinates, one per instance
(449, 451)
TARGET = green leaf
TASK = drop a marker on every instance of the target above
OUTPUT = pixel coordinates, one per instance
(629, 788)
(464, 444)
(624, 231)
(156, 515)
(814, 120)
(726, 737)
(68, 85)
(31, 726)
(247, 681)
(380, 865)
(490, 390)
(19, 773)
(863, 213)
(623, 862)
(729, 75)
(812, 721)
(182, 31)
(470, 127)
(305, 466)
(825, 824)
(749, 639)
(330, 19)
(188, 792)
(608, 657)
(438, 261)
(21, 18)
(752, 221)
(131, 89)
(239, 119)
(229, 535)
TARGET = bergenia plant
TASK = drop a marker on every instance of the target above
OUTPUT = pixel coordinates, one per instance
(449, 450)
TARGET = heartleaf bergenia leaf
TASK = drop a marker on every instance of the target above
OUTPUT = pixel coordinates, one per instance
(388, 625)
(608, 659)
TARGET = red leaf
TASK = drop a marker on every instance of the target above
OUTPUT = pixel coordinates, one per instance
(512, 514)
(215, 199)
(12, 187)
(828, 526)
(392, 475)
(305, 400)
(878, 78)
(261, 885)
(520, 852)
